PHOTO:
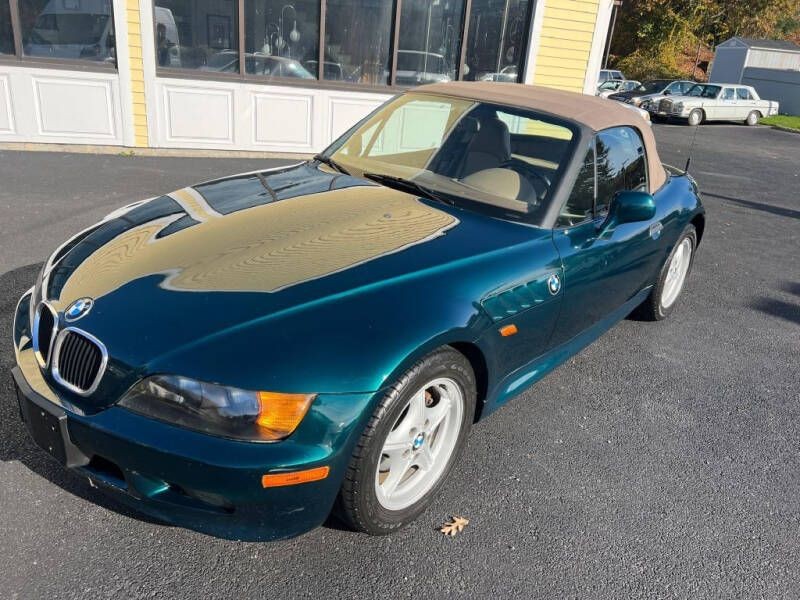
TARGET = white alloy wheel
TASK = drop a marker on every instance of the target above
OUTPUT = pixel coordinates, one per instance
(676, 274)
(417, 450)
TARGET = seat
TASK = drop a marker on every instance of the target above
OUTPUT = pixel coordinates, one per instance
(504, 183)
(489, 148)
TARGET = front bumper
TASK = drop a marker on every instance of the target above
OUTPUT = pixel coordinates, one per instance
(186, 478)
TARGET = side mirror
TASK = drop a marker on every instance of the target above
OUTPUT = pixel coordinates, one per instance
(632, 207)
(667, 92)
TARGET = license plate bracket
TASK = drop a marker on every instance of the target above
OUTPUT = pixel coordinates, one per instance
(48, 428)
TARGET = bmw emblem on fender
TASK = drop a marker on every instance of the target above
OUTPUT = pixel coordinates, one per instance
(554, 284)
(78, 309)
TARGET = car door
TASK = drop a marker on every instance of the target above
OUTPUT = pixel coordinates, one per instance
(745, 102)
(726, 106)
(604, 267)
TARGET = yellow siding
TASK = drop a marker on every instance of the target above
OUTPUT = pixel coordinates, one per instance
(565, 43)
(133, 18)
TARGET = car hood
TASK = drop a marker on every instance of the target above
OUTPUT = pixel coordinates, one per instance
(632, 94)
(176, 269)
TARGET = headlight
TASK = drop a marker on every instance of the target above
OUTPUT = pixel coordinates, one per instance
(218, 410)
(677, 107)
(636, 101)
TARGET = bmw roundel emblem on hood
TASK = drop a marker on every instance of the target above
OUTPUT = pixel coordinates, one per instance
(78, 309)
(554, 284)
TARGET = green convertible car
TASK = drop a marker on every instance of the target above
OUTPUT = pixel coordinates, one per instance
(247, 355)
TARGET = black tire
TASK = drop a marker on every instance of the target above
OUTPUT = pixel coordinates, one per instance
(652, 308)
(696, 117)
(752, 118)
(358, 505)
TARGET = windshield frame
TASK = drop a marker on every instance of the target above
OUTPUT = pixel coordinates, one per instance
(541, 216)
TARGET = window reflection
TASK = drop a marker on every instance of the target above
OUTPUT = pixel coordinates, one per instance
(197, 34)
(6, 36)
(357, 40)
(497, 36)
(430, 36)
(281, 39)
(71, 29)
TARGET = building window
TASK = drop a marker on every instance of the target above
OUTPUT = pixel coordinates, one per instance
(281, 39)
(498, 31)
(364, 42)
(6, 35)
(430, 41)
(358, 40)
(197, 34)
(68, 29)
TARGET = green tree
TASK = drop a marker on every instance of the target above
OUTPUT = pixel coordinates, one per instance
(659, 38)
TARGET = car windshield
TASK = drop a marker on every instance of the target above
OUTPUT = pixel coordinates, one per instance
(704, 91)
(653, 86)
(610, 85)
(496, 159)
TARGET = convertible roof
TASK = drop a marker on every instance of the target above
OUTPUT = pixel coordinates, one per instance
(593, 112)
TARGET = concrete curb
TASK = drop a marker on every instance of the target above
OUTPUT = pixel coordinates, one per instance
(786, 129)
(125, 151)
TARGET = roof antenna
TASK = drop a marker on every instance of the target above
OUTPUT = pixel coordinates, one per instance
(691, 146)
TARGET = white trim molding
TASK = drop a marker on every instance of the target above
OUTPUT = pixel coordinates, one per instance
(601, 26)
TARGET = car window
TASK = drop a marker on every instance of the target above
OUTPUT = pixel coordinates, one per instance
(621, 164)
(703, 91)
(686, 86)
(743, 94)
(580, 204)
(728, 94)
(419, 126)
(675, 88)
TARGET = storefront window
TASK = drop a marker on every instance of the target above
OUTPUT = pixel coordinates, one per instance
(358, 37)
(68, 29)
(430, 37)
(197, 34)
(497, 34)
(281, 39)
(6, 35)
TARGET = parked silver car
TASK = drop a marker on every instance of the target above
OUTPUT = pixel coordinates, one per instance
(713, 102)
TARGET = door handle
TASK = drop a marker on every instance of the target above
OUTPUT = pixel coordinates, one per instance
(656, 229)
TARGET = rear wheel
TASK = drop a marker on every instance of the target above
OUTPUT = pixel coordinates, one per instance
(410, 445)
(671, 280)
(752, 118)
(695, 117)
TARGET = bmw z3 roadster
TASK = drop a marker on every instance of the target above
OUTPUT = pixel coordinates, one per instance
(247, 355)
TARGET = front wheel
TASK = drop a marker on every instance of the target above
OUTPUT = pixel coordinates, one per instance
(671, 280)
(695, 117)
(410, 444)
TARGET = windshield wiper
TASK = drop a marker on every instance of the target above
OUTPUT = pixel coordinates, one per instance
(327, 160)
(407, 185)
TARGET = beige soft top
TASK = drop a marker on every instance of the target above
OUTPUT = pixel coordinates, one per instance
(593, 112)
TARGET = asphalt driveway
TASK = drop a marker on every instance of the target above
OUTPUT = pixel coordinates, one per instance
(663, 461)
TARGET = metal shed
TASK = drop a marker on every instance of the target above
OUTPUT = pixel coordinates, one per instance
(772, 67)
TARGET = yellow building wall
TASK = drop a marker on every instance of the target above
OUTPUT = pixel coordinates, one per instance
(565, 43)
(140, 137)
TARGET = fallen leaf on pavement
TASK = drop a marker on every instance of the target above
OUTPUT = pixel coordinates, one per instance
(454, 526)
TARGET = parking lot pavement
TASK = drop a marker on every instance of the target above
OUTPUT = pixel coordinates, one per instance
(663, 461)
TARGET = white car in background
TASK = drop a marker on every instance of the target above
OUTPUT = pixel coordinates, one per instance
(614, 86)
(713, 102)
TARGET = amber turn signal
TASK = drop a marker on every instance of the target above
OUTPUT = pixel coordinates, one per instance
(280, 414)
(508, 330)
(280, 479)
